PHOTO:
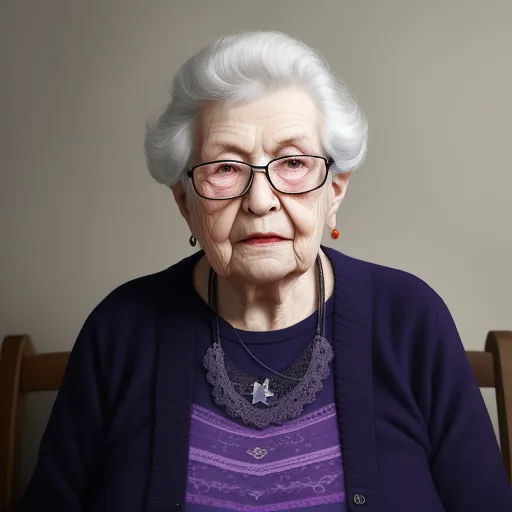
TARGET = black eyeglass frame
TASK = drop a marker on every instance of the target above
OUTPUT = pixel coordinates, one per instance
(260, 168)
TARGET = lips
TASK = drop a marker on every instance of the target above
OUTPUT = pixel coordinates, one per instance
(264, 238)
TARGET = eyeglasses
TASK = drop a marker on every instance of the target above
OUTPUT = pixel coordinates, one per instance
(229, 179)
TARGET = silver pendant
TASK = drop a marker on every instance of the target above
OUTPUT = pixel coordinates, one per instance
(260, 392)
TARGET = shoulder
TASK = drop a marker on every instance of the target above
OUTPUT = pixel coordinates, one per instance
(413, 337)
(397, 288)
(126, 321)
(403, 305)
(390, 287)
(145, 294)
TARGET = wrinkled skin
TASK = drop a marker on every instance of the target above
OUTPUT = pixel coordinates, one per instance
(272, 285)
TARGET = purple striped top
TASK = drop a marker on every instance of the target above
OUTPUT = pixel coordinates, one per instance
(296, 466)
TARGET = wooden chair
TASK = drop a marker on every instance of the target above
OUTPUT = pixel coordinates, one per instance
(22, 371)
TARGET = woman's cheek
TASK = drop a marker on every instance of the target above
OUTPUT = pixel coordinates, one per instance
(303, 213)
(218, 253)
(213, 219)
(220, 226)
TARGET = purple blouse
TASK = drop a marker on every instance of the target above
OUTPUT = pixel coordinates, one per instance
(296, 466)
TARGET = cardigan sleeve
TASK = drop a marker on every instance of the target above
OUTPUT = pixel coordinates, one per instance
(70, 450)
(465, 459)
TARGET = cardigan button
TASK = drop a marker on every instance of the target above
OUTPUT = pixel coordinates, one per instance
(359, 499)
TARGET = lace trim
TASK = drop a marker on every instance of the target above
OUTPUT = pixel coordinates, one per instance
(262, 469)
(289, 406)
(212, 419)
(276, 507)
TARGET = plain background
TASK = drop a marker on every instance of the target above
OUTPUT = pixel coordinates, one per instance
(81, 215)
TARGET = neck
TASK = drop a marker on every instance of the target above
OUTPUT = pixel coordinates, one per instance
(266, 307)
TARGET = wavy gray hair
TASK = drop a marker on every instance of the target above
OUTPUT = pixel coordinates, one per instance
(242, 67)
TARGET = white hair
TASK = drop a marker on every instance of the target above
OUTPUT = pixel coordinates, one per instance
(240, 68)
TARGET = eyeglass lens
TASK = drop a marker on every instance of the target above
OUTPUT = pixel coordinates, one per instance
(292, 175)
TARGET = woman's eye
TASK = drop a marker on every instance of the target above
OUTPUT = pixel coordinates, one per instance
(225, 168)
(294, 164)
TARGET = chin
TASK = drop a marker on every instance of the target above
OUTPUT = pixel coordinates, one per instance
(265, 270)
(266, 264)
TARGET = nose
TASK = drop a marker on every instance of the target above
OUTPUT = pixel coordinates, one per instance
(261, 197)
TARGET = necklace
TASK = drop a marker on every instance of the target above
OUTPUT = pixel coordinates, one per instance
(262, 364)
(277, 398)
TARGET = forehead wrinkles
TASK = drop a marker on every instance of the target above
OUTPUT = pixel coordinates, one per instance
(252, 128)
(300, 130)
(250, 137)
(219, 126)
(224, 134)
(277, 121)
(293, 123)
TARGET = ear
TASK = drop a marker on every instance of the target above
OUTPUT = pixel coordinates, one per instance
(180, 196)
(339, 185)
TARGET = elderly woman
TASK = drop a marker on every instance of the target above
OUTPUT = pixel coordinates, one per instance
(266, 372)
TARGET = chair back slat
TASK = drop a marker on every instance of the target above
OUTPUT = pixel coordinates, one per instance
(14, 351)
(499, 344)
(483, 368)
(43, 372)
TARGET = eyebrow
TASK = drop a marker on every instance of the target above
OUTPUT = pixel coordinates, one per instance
(303, 143)
(230, 147)
(294, 140)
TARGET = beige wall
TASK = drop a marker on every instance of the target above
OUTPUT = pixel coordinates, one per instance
(80, 214)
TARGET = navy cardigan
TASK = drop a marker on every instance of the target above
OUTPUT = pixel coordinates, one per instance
(414, 431)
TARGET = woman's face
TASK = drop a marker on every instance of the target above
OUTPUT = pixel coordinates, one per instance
(286, 122)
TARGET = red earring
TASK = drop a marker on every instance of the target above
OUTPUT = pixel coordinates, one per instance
(335, 234)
